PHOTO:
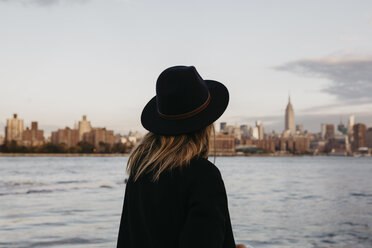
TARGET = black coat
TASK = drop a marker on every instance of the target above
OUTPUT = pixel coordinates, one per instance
(186, 208)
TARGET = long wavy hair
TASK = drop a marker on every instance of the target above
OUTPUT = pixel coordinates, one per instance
(157, 153)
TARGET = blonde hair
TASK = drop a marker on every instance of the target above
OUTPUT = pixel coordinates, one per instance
(157, 153)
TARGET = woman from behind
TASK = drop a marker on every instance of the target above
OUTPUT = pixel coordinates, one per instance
(175, 197)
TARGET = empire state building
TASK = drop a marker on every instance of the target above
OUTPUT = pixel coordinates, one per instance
(289, 118)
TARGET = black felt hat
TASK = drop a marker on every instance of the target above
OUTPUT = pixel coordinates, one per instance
(184, 102)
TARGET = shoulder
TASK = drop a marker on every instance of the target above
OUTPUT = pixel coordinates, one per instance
(203, 165)
(203, 183)
(201, 169)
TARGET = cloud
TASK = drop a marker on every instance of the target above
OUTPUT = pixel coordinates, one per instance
(43, 2)
(350, 77)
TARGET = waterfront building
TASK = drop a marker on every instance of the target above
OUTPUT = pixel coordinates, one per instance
(265, 145)
(223, 144)
(98, 136)
(290, 145)
(298, 144)
(33, 136)
(289, 118)
(1, 140)
(318, 146)
(281, 144)
(369, 138)
(254, 146)
(338, 145)
(359, 131)
(84, 127)
(67, 136)
(14, 129)
(301, 144)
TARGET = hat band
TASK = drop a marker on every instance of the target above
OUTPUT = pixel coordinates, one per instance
(188, 114)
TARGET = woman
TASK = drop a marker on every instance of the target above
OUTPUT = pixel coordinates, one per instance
(175, 197)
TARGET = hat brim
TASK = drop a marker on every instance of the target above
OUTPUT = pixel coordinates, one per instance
(153, 122)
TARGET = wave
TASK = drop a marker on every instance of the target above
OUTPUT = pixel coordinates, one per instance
(31, 191)
(69, 241)
(41, 188)
(19, 183)
(71, 181)
(361, 194)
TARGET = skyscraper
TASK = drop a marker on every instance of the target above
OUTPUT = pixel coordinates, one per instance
(350, 128)
(289, 118)
(260, 130)
(359, 131)
(369, 137)
(330, 131)
(351, 124)
(223, 127)
(323, 130)
(245, 131)
(84, 127)
(341, 128)
(14, 129)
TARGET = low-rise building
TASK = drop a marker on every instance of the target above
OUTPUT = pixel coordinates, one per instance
(68, 136)
(267, 145)
(33, 136)
(338, 145)
(223, 144)
(97, 136)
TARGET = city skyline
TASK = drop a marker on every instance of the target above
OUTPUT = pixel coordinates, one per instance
(289, 124)
(63, 59)
(289, 114)
(352, 139)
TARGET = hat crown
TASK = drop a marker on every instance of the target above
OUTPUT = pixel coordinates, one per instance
(179, 90)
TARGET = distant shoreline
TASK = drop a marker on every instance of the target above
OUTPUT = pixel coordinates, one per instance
(63, 154)
(127, 154)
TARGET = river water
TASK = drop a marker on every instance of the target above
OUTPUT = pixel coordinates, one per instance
(273, 201)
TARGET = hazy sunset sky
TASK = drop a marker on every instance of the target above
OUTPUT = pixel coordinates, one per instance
(60, 59)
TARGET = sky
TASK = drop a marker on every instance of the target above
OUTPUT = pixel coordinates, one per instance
(61, 59)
